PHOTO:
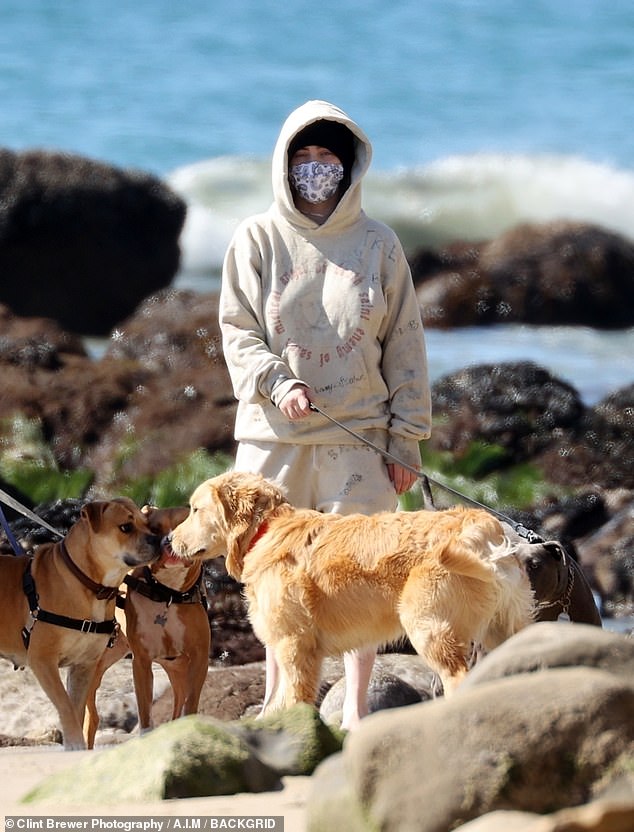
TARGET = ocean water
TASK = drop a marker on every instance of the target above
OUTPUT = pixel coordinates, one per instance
(482, 113)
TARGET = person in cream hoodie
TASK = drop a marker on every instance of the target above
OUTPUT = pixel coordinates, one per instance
(318, 305)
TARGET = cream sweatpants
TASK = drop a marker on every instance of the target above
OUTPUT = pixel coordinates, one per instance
(340, 479)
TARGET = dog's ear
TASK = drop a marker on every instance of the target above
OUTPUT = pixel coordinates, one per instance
(235, 523)
(93, 512)
(164, 520)
(245, 509)
(268, 498)
(555, 550)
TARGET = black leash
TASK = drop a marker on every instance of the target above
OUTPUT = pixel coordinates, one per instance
(519, 528)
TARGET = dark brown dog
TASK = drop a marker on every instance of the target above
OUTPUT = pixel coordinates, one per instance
(561, 589)
(57, 608)
(165, 621)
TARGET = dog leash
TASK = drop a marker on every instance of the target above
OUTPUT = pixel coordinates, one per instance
(15, 545)
(519, 528)
(26, 512)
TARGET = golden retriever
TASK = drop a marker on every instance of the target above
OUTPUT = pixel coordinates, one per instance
(323, 584)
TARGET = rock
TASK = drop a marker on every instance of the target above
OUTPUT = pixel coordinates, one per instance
(527, 414)
(227, 694)
(185, 401)
(607, 555)
(198, 756)
(548, 645)
(56, 399)
(190, 757)
(333, 802)
(598, 448)
(35, 341)
(437, 765)
(292, 742)
(575, 516)
(384, 691)
(596, 816)
(160, 392)
(559, 273)
(83, 242)
(518, 406)
(60, 514)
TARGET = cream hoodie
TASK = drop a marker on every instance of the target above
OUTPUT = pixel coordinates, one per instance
(332, 306)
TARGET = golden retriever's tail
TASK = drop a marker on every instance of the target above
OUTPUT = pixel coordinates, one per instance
(482, 551)
(479, 541)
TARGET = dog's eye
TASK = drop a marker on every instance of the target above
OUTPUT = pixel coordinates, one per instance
(127, 528)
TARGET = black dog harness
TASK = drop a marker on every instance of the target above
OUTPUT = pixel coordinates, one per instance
(150, 588)
(109, 627)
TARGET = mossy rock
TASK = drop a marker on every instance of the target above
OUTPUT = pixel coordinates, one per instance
(293, 741)
(194, 756)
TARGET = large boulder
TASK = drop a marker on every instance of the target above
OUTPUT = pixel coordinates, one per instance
(547, 645)
(397, 680)
(557, 273)
(599, 448)
(533, 742)
(197, 756)
(186, 401)
(530, 415)
(160, 392)
(56, 400)
(83, 242)
(607, 555)
(189, 757)
(518, 406)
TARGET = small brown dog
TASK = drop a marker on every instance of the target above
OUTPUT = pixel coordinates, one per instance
(57, 608)
(165, 621)
(323, 584)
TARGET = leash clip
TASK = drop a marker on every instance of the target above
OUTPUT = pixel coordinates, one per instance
(114, 635)
(530, 535)
(26, 631)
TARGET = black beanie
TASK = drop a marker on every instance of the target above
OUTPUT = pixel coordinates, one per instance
(331, 134)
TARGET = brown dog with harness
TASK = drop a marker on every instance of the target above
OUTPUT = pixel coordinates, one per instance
(57, 608)
(165, 621)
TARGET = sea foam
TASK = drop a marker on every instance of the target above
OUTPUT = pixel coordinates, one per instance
(473, 197)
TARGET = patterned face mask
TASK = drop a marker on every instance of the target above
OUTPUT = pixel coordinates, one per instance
(316, 181)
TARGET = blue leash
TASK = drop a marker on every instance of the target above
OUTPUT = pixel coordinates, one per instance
(10, 536)
(26, 512)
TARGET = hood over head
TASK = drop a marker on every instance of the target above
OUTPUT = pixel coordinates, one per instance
(308, 125)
